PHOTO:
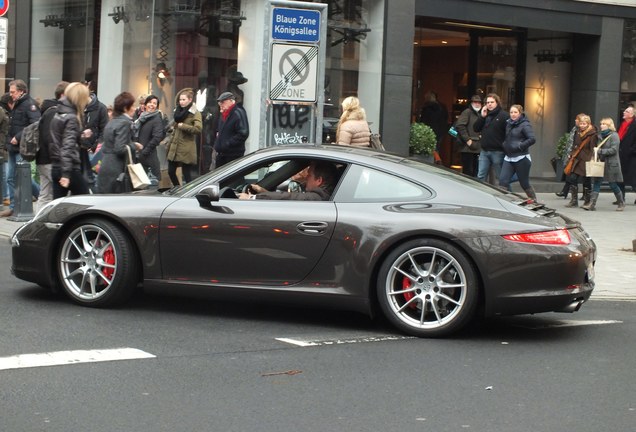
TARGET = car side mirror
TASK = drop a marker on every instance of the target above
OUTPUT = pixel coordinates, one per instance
(207, 195)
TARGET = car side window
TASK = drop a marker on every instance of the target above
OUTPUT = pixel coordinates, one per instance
(364, 184)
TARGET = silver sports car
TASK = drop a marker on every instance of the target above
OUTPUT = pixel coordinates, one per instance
(428, 248)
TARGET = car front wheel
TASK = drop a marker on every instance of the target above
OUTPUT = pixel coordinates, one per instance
(97, 264)
(428, 288)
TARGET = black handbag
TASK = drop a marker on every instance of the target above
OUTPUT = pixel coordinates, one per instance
(123, 184)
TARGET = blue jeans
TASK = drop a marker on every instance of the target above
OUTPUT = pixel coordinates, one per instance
(14, 158)
(521, 168)
(596, 185)
(488, 158)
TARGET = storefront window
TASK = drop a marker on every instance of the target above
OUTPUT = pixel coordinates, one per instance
(354, 59)
(161, 46)
(64, 43)
(628, 66)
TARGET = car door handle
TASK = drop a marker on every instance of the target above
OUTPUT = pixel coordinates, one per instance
(312, 228)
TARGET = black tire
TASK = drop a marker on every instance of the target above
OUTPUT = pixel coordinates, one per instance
(426, 302)
(97, 264)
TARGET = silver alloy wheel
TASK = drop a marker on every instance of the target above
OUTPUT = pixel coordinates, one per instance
(426, 288)
(88, 262)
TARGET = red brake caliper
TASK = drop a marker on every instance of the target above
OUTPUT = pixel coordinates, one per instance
(406, 284)
(109, 258)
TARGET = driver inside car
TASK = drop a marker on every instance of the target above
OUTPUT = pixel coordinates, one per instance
(319, 184)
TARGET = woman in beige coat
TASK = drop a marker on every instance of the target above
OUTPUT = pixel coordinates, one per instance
(353, 128)
(182, 149)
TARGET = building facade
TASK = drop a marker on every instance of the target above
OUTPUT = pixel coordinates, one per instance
(555, 57)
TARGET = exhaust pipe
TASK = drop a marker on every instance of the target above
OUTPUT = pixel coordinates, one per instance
(574, 306)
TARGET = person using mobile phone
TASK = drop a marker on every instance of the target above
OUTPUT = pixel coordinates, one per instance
(491, 125)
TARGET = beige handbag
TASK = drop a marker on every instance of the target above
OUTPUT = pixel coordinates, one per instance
(594, 167)
(137, 173)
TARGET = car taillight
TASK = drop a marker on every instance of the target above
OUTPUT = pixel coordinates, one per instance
(556, 237)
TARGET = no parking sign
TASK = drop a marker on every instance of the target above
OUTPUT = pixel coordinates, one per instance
(4, 7)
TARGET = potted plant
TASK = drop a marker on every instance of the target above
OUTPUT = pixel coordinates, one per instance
(558, 163)
(422, 141)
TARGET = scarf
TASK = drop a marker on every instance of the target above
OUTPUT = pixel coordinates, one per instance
(605, 133)
(585, 132)
(623, 129)
(143, 118)
(180, 113)
(225, 114)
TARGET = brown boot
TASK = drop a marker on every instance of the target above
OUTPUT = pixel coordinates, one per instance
(587, 195)
(6, 213)
(574, 197)
(620, 201)
(591, 205)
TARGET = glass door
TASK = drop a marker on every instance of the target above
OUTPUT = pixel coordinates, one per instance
(498, 66)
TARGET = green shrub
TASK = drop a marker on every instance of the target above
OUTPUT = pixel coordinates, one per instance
(562, 144)
(422, 139)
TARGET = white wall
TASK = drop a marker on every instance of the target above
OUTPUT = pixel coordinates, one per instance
(547, 101)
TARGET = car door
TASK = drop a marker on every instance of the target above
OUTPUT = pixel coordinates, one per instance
(251, 242)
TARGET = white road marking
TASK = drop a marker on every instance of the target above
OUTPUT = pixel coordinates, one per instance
(59, 358)
(571, 323)
(360, 339)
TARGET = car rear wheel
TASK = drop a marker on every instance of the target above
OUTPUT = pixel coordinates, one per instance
(97, 264)
(428, 288)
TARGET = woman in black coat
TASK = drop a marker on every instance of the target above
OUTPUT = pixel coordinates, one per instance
(117, 143)
(66, 130)
(148, 130)
(519, 138)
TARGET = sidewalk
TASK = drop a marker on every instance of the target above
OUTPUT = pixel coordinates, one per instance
(612, 232)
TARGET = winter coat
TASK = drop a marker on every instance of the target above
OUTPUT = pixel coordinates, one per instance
(587, 142)
(435, 115)
(627, 152)
(4, 129)
(150, 132)
(24, 112)
(492, 129)
(354, 133)
(519, 137)
(43, 156)
(464, 125)
(95, 119)
(117, 141)
(232, 134)
(609, 154)
(65, 137)
(182, 146)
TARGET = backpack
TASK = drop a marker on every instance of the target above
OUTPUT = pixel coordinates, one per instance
(30, 141)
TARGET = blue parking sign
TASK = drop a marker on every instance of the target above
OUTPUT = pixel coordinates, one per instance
(296, 25)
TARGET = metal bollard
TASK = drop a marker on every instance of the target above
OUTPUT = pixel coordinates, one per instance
(23, 206)
(2, 185)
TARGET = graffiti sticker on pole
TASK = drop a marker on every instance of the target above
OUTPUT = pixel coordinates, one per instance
(293, 73)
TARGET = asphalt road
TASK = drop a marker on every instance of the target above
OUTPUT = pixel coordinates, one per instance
(249, 367)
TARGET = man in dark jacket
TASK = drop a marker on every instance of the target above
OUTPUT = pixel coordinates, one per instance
(492, 126)
(232, 131)
(23, 113)
(43, 158)
(319, 185)
(95, 119)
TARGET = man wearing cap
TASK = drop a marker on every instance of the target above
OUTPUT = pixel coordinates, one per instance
(232, 131)
(468, 138)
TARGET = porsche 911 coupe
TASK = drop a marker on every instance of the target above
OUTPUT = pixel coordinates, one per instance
(428, 248)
